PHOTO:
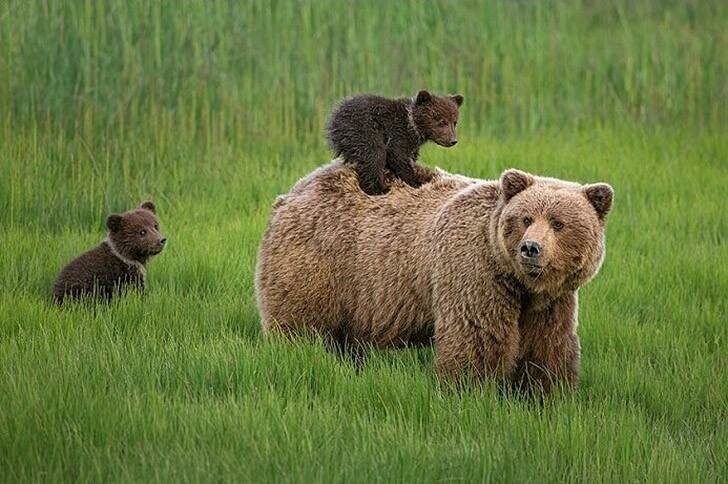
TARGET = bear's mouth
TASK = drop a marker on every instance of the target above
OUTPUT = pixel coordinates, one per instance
(531, 269)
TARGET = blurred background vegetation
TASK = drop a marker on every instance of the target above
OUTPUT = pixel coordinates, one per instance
(266, 71)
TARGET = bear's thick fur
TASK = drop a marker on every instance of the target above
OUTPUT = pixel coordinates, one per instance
(490, 269)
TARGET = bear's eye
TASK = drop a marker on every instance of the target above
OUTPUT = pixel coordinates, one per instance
(142, 232)
(443, 123)
(156, 226)
(527, 221)
(556, 225)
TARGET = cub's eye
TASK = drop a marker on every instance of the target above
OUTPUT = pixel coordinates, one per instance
(443, 123)
(556, 225)
(142, 232)
(527, 221)
(156, 226)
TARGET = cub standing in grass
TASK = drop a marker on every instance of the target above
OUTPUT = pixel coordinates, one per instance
(373, 133)
(118, 262)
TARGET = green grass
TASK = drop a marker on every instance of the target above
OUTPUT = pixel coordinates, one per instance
(213, 108)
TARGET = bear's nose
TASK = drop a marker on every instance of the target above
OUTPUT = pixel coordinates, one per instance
(163, 241)
(453, 142)
(530, 249)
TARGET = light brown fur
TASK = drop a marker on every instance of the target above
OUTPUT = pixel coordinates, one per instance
(440, 261)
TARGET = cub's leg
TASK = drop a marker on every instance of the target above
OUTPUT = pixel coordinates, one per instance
(550, 350)
(423, 173)
(369, 164)
(403, 168)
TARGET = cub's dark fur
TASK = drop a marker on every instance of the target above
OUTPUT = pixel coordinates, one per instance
(373, 133)
(118, 262)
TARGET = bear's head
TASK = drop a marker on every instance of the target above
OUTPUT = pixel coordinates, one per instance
(135, 234)
(436, 117)
(551, 232)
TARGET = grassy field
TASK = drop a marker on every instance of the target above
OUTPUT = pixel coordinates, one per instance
(211, 109)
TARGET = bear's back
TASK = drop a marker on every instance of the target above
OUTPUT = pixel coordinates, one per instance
(332, 253)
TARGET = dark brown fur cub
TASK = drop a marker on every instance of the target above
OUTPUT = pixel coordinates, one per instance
(374, 133)
(118, 262)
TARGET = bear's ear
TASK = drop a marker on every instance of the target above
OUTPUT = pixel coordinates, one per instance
(514, 182)
(149, 206)
(600, 195)
(458, 99)
(113, 222)
(423, 97)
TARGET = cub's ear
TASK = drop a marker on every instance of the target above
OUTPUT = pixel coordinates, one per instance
(600, 195)
(423, 97)
(149, 206)
(113, 222)
(458, 99)
(514, 182)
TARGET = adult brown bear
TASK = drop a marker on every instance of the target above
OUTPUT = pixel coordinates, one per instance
(490, 269)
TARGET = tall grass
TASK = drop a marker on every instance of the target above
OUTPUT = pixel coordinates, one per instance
(260, 69)
(213, 108)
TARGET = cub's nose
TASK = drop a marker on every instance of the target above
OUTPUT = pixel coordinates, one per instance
(453, 142)
(530, 249)
(163, 241)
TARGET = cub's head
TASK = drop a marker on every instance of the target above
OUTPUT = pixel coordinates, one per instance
(437, 116)
(551, 232)
(135, 233)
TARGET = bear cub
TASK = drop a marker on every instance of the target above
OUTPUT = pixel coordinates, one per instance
(118, 262)
(373, 133)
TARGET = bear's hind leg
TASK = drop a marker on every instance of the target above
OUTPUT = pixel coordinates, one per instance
(347, 347)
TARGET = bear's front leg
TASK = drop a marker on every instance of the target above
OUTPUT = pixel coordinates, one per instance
(550, 350)
(476, 335)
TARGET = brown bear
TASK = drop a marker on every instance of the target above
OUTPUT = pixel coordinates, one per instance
(118, 262)
(374, 133)
(488, 269)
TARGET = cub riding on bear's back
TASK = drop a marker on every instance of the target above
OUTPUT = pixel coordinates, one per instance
(373, 133)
